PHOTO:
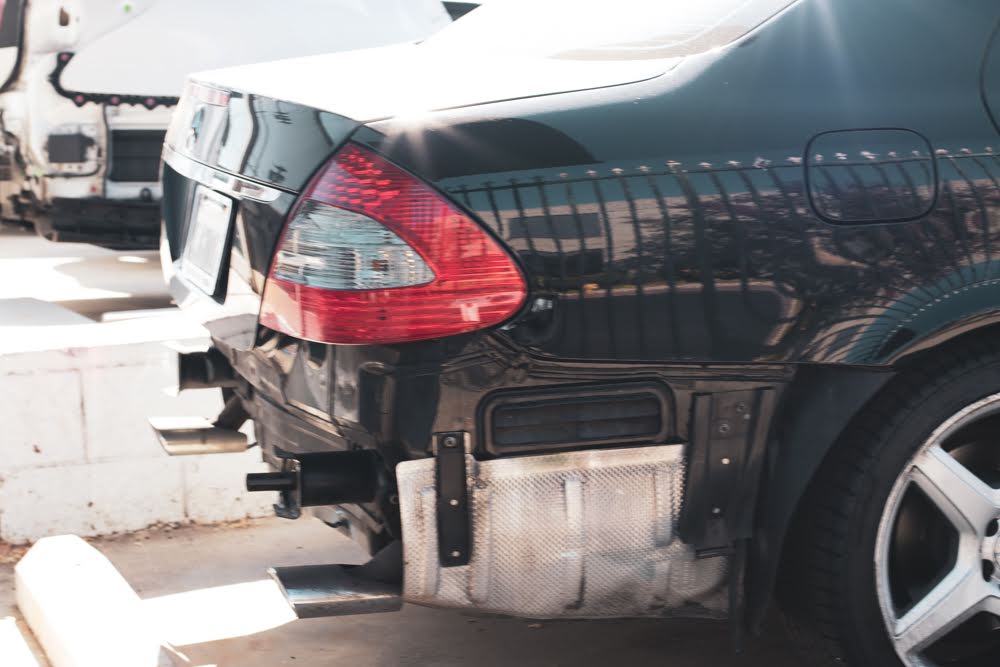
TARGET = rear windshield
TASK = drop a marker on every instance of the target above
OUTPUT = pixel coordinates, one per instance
(605, 29)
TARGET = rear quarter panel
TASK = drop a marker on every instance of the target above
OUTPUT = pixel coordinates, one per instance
(669, 220)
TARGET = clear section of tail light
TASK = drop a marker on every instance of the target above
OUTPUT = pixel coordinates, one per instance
(373, 255)
(332, 248)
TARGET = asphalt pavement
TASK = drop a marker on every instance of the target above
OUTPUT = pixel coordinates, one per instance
(207, 587)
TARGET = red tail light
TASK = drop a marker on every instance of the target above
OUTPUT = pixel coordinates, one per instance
(371, 254)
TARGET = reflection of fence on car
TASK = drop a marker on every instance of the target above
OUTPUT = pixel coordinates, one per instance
(655, 231)
(872, 189)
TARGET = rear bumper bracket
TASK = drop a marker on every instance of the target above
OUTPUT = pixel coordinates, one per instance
(453, 519)
(725, 460)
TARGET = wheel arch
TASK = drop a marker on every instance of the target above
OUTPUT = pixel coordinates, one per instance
(823, 401)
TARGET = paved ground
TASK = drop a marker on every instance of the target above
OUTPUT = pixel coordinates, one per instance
(86, 279)
(207, 588)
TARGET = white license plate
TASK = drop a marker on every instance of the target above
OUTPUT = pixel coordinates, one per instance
(207, 239)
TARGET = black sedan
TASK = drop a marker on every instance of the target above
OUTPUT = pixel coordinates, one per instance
(620, 309)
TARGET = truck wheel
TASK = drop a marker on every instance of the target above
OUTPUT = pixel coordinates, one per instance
(896, 555)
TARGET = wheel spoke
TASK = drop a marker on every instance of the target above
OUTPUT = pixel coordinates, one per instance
(964, 498)
(960, 596)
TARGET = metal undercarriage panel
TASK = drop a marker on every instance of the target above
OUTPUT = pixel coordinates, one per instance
(581, 534)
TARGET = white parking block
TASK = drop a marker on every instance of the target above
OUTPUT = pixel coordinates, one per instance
(14, 649)
(82, 612)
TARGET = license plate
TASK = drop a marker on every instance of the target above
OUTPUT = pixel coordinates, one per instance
(207, 239)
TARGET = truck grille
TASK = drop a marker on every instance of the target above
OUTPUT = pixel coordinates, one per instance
(135, 155)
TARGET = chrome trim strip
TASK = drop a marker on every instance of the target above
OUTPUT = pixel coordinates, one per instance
(220, 181)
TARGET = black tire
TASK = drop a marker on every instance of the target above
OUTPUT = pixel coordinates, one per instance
(828, 588)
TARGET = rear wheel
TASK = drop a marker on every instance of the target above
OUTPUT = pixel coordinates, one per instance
(898, 545)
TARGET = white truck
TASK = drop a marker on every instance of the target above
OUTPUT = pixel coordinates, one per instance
(89, 85)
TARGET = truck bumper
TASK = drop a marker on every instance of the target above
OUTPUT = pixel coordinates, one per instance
(119, 224)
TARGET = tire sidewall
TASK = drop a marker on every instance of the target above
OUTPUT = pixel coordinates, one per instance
(904, 436)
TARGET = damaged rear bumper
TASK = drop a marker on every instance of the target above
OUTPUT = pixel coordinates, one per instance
(637, 517)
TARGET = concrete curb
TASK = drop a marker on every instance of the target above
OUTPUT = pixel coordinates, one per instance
(81, 610)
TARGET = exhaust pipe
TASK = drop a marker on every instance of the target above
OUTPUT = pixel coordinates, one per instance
(335, 590)
(204, 370)
(186, 436)
(342, 590)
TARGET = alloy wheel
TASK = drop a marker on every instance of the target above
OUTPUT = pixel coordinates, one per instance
(938, 548)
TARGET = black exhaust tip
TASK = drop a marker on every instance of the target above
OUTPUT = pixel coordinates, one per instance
(271, 481)
(316, 479)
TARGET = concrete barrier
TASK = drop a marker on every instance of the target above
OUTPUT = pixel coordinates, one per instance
(78, 454)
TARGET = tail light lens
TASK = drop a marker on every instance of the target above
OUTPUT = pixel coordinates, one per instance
(371, 254)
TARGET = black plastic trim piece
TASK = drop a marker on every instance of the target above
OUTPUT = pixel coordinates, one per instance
(454, 523)
(607, 393)
(119, 224)
(112, 99)
(725, 461)
(68, 148)
(134, 155)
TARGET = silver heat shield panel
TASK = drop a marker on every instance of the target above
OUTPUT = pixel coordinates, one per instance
(575, 535)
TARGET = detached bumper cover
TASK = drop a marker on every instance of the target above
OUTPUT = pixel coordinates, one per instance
(131, 224)
(576, 535)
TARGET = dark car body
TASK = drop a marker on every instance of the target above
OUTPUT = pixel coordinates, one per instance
(734, 248)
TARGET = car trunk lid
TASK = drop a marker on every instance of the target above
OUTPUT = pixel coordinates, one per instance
(256, 134)
(410, 79)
